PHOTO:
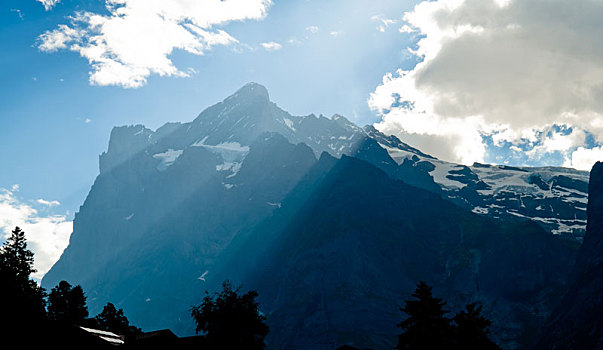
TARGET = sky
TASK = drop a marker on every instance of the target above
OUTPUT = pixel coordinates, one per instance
(513, 82)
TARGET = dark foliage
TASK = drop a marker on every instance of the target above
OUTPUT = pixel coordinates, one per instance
(67, 303)
(23, 314)
(471, 331)
(427, 327)
(231, 321)
(23, 299)
(16, 258)
(113, 320)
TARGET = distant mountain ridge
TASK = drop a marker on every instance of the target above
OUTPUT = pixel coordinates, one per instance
(192, 199)
(553, 197)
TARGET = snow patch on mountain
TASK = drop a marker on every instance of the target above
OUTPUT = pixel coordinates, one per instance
(397, 154)
(289, 123)
(223, 148)
(441, 174)
(167, 158)
(231, 153)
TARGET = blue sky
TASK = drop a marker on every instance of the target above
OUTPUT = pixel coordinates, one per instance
(55, 124)
(502, 81)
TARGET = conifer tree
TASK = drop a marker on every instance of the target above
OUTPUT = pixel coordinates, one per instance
(426, 326)
(471, 331)
(16, 258)
(23, 299)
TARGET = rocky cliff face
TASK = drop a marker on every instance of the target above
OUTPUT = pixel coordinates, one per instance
(577, 322)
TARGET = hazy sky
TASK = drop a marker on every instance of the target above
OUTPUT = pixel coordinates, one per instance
(499, 81)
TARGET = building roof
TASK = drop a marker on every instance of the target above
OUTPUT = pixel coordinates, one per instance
(110, 337)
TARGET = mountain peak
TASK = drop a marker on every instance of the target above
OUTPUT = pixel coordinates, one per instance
(252, 90)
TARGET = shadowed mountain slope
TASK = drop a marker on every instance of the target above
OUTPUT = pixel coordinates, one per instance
(348, 245)
(577, 322)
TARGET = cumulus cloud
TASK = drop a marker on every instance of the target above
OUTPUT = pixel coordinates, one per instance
(47, 235)
(584, 158)
(504, 68)
(136, 37)
(49, 4)
(271, 46)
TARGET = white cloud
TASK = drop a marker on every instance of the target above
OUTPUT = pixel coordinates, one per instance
(502, 68)
(585, 158)
(48, 203)
(49, 4)
(271, 46)
(383, 23)
(137, 37)
(294, 41)
(558, 141)
(19, 13)
(47, 236)
(87, 120)
(313, 29)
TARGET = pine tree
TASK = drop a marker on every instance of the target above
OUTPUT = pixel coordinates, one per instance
(16, 258)
(471, 331)
(426, 326)
(24, 301)
(231, 321)
(66, 303)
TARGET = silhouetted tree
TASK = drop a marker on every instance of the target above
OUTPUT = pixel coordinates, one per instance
(23, 300)
(426, 326)
(471, 331)
(231, 321)
(66, 303)
(113, 320)
(16, 258)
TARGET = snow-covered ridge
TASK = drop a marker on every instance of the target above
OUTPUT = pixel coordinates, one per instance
(554, 197)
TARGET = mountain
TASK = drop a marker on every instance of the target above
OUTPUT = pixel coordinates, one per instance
(577, 322)
(553, 197)
(348, 245)
(144, 232)
(247, 187)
